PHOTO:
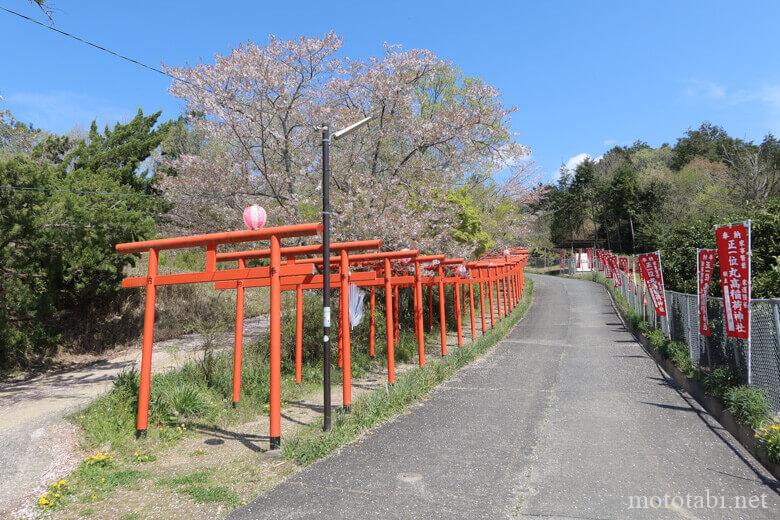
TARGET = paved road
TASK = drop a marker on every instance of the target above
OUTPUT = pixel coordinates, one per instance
(566, 418)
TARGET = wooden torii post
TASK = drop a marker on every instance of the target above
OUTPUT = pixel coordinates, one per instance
(210, 242)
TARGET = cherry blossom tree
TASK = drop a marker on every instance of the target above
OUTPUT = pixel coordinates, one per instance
(259, 109)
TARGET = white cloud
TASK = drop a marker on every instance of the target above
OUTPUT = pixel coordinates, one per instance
(704, 89)
(575, 161)
(766, 96)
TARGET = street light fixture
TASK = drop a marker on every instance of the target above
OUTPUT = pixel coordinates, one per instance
(326, 139)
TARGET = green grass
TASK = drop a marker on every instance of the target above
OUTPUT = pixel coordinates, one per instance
(717, 381)
(552, 269)
(748, 404)
(196, 486)
(199, 393)
(204, 494)
(187, 479)
(92, 482)
(311, 443)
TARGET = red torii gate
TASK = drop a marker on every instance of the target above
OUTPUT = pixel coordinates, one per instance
(342, 280)
(298, 274)
(378, 277)
(297, 283)
(210, 273)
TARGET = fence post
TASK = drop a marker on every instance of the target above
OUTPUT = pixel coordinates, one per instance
(418, 315)
(299, 333)
(346, 369)
(490, 297)
(442, 318)
(471, 311)
(481, 302)
(456, 304)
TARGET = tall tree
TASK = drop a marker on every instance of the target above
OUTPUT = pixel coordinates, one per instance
(58, 226)
(261, 106)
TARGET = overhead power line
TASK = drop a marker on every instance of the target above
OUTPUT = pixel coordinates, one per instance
(97, 46)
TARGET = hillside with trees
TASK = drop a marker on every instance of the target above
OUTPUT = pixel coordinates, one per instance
(638, 198)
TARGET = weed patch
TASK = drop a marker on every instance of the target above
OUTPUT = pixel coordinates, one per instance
(197, 486)
(748, 404)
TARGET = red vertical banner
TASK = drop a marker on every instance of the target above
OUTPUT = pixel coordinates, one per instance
(705, 261)
(733, 242)
(614, 271)
(633, 275)
(563, 258)
(589, 252)
(579, 255)
(624, 264)
(650, 269)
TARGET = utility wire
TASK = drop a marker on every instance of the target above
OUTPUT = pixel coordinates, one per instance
(119, 55)
(99, 47)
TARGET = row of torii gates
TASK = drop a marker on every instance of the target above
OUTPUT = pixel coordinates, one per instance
(294, 269)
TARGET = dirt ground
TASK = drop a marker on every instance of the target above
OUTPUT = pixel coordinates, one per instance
(38, 444)
(233, 457)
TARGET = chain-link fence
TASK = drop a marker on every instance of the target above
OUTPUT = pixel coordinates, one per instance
(682, 324)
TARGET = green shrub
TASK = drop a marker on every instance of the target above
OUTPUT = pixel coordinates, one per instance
(312, 330)
(634, 318)
(678, 353)
(748, 404)
(57, 247)
(406, 348)
(769, 437)
(656, 339)
(719, 380)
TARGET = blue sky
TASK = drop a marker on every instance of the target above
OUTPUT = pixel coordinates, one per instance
(584, 75)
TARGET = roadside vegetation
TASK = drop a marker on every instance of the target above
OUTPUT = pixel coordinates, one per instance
(189, 403)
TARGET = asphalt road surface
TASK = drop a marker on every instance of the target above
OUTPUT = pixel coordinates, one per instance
(566, 418)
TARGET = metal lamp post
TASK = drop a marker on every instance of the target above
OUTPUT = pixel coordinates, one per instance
(326, 138)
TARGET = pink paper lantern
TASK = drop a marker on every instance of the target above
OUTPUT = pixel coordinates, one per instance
(254, 216)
